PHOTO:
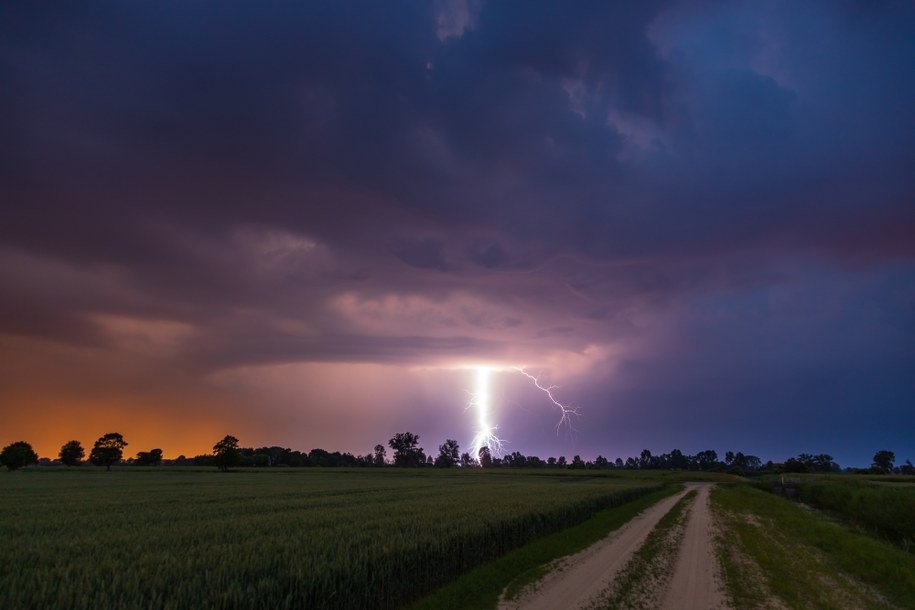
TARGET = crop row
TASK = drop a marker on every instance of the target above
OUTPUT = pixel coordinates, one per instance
(261, 540)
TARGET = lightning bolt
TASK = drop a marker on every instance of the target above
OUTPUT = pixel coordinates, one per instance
(566, 411)
(485, 435)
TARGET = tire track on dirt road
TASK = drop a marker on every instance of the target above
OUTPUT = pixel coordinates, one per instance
(696, 582)
(582, 580)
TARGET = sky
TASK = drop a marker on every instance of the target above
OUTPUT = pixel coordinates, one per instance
(312, 224)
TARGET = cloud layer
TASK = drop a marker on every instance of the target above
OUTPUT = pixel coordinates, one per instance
(696, 217)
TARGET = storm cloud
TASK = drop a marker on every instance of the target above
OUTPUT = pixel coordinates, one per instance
(696, 217)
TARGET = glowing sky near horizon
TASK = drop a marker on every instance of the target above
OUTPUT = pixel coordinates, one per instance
(310, 225)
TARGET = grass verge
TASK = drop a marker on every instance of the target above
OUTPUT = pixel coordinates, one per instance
(882, 508)
(797, 555)
(481, 587)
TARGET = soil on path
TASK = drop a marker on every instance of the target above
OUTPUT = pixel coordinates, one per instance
(579, 580)
(696, 583)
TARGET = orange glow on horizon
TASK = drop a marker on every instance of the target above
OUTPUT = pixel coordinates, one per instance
(47, 424)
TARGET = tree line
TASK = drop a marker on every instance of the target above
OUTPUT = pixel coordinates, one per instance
(108, 450)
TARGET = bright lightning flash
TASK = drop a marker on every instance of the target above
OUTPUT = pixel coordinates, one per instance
(566, 411)
(479, 401)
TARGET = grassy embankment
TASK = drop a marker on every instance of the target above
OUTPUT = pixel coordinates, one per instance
(274, 539)
(882, 506)
(779, 553)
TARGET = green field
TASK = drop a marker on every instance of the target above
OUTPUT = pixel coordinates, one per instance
(778, 553)
(308, 538)
(882, 506)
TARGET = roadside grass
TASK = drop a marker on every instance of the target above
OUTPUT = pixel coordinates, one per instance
(803, 558)
(639, 583)
(882, 507)
(482, 587)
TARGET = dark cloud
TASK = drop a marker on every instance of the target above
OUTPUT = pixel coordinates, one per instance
(424, 254)
(681, 201)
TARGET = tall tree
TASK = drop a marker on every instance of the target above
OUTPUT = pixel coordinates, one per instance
(226, 453)
(645, 460)
(485, 457)
(448, 454)
(378, 457)
(107, 450)
(406, 453)
(707, 459)
(678, 461)
(72, 453)
(824, 463)
(17, 455)
(516, 460)
(884, 460)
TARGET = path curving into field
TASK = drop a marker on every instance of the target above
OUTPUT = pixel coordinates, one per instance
(696, 582)
(580, 580)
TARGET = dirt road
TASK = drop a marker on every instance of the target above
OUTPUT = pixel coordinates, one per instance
(580, 579)
(696, 582)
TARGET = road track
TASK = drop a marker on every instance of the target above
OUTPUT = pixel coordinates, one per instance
(579, 580)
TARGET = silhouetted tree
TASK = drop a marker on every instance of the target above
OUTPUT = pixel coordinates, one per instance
(485, 457)
(807, 460)
(467, 460)
(149, 458)
(205, 459)
(824, 463)
(561, 462)
(406, 453)
(707, 460)
(516, 460)
(226, 453)
(108, 450)
(577, 463)
(72, 453)
(379, 455)
(319, 457)
(448, 454)
(798, 464)
(17, 455)
(883, 460)
(677, 460)
(270, 456)
(645, 460)
(753, 463)
(601, 462)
